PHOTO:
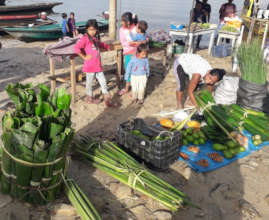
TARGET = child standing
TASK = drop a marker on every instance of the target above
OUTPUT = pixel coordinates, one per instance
(65, 28)
(72, 25)
(141, 29)
(138, 71)
(88, 48)
(128, 49)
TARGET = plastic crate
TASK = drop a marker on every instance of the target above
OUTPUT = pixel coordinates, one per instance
(157, 153)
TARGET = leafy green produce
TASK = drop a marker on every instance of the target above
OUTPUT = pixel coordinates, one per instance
(229, 29)
(251, 62)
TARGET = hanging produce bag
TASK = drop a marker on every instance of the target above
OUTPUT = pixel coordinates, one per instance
(252, 95)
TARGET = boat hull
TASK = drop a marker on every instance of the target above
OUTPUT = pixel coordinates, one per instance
(28, 8)
(46, 32)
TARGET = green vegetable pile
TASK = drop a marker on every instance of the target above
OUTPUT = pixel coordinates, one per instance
(141, 135)
(225, 119)
(205, 25)
(36, 136)
(192, 136)
(228, 28)
(229, 149)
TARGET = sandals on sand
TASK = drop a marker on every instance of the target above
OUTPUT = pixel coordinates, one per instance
(90, 100)
(109, 104)
(122, 92)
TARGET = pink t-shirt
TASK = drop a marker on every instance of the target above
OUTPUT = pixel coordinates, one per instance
(125, 40)
(92, 65)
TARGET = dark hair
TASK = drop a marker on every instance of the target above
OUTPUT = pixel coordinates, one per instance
(64, 15)
(93, 23)
(72, 13)
(142, 47)
(143, 26)
(218, 72)
(127, 17)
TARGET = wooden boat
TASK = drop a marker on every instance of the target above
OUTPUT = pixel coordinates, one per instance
(8, 20)
(38, 7)
(47, 32)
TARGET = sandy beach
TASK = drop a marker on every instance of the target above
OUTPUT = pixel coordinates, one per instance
(238, 191)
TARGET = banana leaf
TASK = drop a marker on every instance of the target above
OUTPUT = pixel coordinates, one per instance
(7, 163)
(44, 92)
(61, 99)
(40, 156)
(43, 109)
(23, 173)
(65, 140)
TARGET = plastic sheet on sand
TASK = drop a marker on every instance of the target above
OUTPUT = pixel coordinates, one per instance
(212, 165)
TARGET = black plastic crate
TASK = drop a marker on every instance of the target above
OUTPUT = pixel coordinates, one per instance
(157, 153)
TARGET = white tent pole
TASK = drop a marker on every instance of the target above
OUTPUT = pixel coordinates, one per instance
(189, 27)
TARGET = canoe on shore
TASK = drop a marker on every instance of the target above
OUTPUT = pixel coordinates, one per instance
(12, 20)
(47, 32)
(37, 7)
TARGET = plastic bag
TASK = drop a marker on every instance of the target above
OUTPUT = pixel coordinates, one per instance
(252, 95)
(226, 92)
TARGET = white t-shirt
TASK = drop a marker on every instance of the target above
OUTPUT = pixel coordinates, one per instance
(193, 64)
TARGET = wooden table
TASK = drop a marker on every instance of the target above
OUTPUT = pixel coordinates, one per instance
(117, 47)
(195, 33)
(54, 78)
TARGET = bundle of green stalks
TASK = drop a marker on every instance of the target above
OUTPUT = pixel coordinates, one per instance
(251, 63)
(36, 136)
(79, 200)
(229, 118)
(111, 159)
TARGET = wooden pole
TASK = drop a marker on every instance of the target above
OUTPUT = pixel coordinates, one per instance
(73, 79)
(112, 19)
(52, 74)
(253, 21)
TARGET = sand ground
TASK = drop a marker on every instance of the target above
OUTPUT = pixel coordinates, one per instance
(238, 191)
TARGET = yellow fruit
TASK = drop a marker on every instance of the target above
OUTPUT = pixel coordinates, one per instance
(167, 123)
(193, 124)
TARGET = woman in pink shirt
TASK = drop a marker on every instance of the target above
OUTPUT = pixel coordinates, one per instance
(129, 50)
(88, 48)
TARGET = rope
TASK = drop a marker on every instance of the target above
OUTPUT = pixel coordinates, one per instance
(208, 105)
(29, 164)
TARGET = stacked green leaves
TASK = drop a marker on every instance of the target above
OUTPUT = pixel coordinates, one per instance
(36, 136)
(251, 63)
(118, 164)
(79, 200)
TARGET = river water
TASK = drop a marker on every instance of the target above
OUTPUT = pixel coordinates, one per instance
(158, 13)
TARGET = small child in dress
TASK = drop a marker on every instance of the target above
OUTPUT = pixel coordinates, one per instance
(141, 29)
(65, 28)
(138, 70)
(72, 25)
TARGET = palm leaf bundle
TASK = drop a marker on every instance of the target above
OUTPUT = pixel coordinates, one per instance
(36, 136)
(118, 164)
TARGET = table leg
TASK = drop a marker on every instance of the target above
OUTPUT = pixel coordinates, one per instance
(218, 41)
(211, 43)
(190, 43)
(73, 79)
(164, 57)
(119, 67)
(233, 43)
(52, 73)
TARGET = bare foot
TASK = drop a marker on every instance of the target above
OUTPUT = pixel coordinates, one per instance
(90, 100)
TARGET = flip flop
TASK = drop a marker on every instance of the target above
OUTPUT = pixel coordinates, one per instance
(92, 101)
(122, 92)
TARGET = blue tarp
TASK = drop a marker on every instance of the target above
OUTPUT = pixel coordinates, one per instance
(207, 148)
